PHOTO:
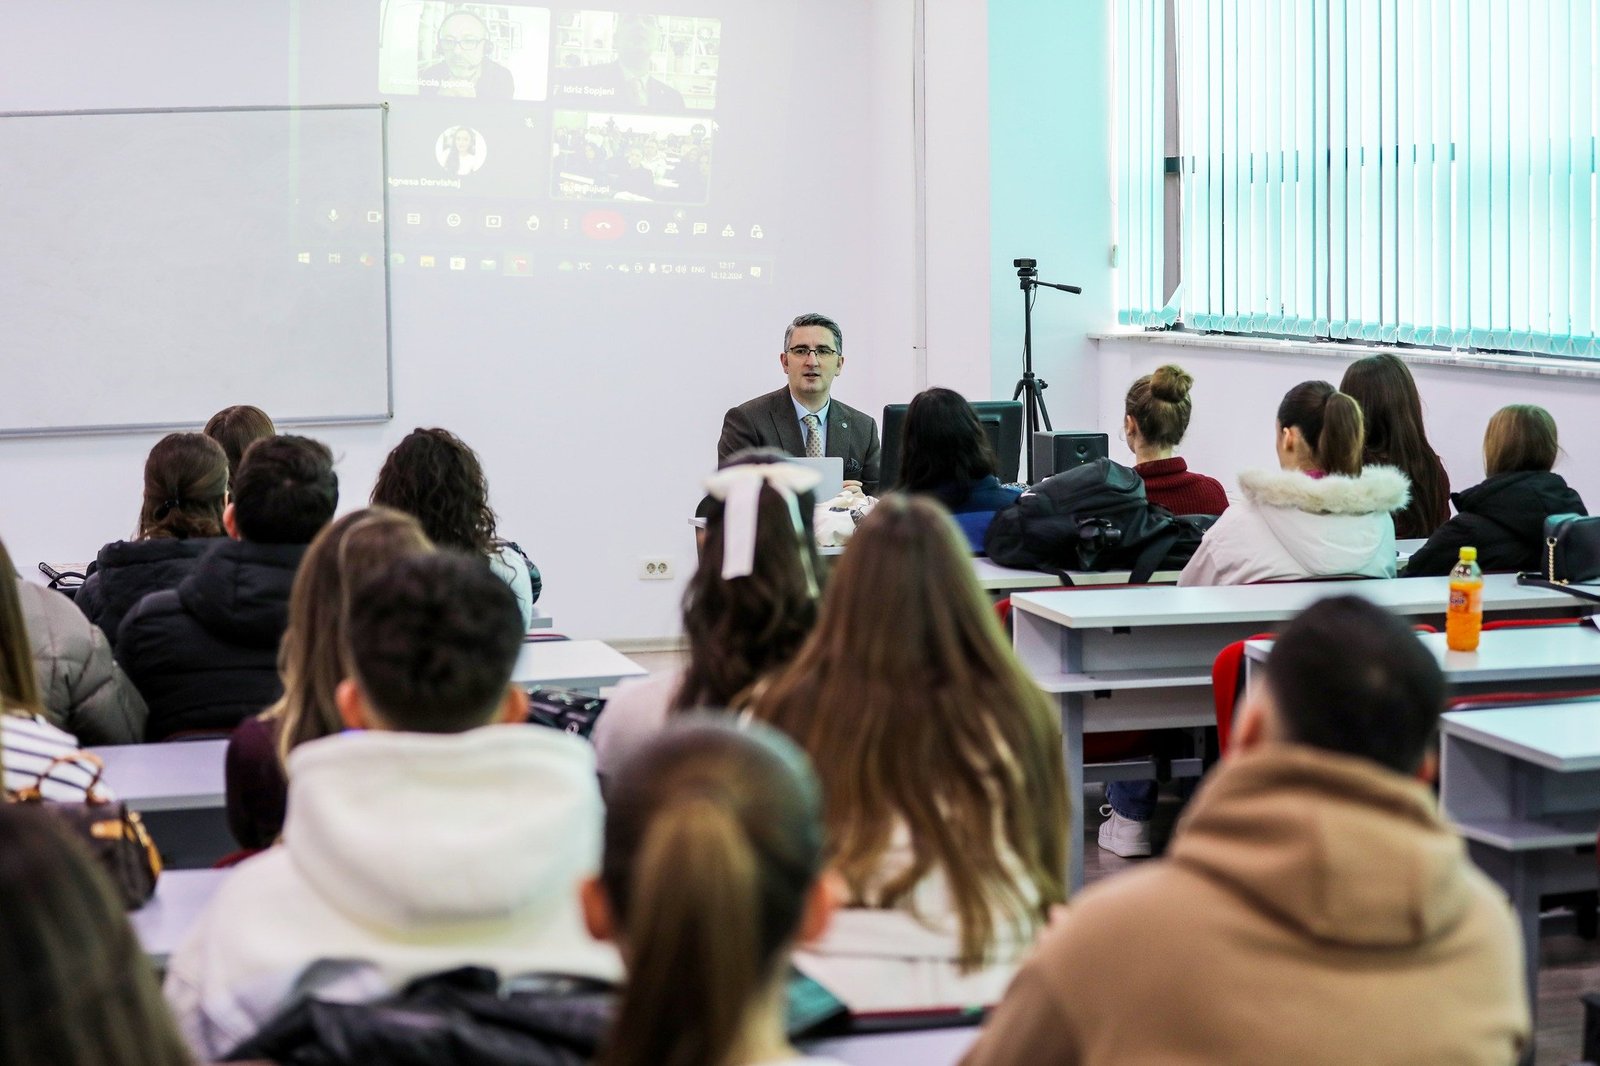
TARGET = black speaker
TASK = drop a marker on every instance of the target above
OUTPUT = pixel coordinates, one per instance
(1063, 450)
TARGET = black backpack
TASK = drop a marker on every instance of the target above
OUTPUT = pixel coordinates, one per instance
(1093, 517)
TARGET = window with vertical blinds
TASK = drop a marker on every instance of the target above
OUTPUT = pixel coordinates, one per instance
(1411, 171)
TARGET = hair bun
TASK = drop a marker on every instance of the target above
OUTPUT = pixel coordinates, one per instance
(1171, 383)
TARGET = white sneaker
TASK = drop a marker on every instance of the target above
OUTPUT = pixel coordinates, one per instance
(1123, 836)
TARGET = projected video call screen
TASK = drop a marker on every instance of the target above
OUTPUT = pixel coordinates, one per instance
(525, 140)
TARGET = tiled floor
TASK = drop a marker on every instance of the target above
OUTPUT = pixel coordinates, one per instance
(1571, 965)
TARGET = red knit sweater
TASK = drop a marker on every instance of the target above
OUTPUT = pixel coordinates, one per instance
(1169, 483)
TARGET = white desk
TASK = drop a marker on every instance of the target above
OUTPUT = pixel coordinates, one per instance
(1536, 659)
(585, 665)
(925, 1047)
(177, 776)
(1523, 785)
(1405, 549)
(180, 896)
(1140, 658)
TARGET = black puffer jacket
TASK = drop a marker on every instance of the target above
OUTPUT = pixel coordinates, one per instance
(1503, 518)
(205, 654)
(126, 571)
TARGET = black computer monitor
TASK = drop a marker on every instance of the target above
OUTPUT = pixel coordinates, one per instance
(1001, 420)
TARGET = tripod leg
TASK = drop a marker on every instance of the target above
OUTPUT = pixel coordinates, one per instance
(1044, 414)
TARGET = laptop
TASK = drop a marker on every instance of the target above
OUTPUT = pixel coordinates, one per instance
(831, 467)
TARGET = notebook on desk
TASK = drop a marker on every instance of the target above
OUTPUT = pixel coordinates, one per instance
(831, 467)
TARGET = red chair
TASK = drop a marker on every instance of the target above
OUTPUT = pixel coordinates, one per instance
(1227, 678)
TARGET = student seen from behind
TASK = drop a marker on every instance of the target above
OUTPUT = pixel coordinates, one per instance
(1155, 417)
(311, 662)
(76, 988)
(1313, 907)
(80, 687)
(180, 517)
(747, 610)
(1391, 412)
(1323, 513)
(711, 874)
(1503, 515)
(940, 763)
(432, 834)
(944, 453)
(205, 654)
(433, 475)
(238, 427)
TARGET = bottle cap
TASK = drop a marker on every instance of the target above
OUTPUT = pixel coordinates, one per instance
(1469, 555)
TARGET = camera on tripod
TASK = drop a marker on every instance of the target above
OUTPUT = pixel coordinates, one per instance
(1026, 268)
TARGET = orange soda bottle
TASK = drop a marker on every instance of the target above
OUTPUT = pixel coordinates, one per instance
(1463, 619)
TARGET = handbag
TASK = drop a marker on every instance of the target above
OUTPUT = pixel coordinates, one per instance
(564, 709)
(1572, 548)
(115, 835)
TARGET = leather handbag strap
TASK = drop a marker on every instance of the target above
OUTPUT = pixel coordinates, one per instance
(1536, 580)
(34, 793)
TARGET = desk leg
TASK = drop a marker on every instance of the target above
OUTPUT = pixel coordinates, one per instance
(1072, 755)
(1518, 880)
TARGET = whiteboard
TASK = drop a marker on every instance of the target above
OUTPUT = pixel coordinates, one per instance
(157, 266)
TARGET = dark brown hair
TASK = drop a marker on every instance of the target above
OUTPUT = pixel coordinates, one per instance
(1520, 437)
(740, 630)
(713, 841)
(1386, 710)
(1331, 423)
(916, 714)
(1391, 411)
(238, 427)
(313, 658)
(433, 641)
(19, 677)
(943, 446)
(185, 488)
(75, 986)
(285, 490)
(1160, 405)
(432, 474)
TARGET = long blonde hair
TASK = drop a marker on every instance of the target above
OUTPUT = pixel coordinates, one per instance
(915, 712)
(312, 659)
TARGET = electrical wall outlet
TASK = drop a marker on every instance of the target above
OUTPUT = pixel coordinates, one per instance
(655, 569)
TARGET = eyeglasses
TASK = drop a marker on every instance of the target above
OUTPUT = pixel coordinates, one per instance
(801, 351)
(470, 44)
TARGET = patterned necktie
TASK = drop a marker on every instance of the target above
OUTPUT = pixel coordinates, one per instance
(813, 438)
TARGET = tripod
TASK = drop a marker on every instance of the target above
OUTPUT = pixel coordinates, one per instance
(1031, 383)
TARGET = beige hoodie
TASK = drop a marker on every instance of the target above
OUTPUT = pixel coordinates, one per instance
(1313, 908)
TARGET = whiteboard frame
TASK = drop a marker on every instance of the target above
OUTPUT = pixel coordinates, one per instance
(118, 428)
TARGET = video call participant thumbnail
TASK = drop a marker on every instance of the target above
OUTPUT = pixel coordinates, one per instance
(803, 418)
(461, 51)
(628, 80)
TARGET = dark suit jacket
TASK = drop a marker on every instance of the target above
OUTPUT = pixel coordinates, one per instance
(769, 421)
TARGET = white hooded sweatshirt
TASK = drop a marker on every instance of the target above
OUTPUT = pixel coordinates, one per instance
(407, 853)
(1291, 525)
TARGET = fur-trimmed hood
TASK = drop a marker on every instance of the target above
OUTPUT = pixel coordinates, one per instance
(1291, 525)
(1378, 490)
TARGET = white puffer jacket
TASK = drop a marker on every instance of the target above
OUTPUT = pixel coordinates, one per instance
(1291, 525)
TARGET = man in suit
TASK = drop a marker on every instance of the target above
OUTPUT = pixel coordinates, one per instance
(803, 418)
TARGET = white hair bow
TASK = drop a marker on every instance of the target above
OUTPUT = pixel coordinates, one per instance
(739, 487)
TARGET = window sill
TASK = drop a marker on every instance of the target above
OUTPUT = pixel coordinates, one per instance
(1538, 366)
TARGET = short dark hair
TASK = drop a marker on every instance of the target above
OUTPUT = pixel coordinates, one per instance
(1347, 676)
(813, 318)
(433, 641)
(285, 490)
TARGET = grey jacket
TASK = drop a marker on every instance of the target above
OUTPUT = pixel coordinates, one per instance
(769, 421)
(83, 689)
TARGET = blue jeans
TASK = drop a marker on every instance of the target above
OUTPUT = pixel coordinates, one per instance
(1132, 799)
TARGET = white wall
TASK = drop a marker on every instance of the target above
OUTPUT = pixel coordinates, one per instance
(1236, 396)
(594, 452)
